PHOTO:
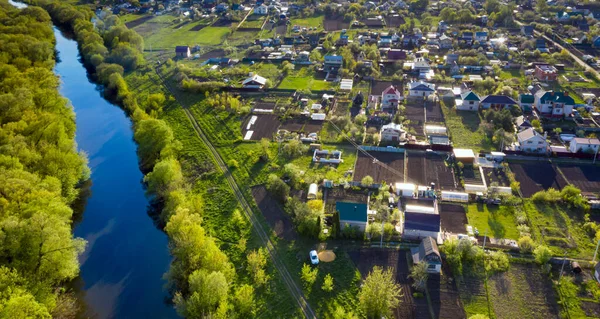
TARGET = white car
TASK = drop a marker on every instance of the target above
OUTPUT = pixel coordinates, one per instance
(314, 258)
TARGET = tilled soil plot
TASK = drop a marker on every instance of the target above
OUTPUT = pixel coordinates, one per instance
(426, 168)
(280, 222)
(416, 114)
(495, 175)
(453, 218)
(265, 126)
(444, 296)
(335, 23)
(537, 176)
(365, 167)
(584, 177)
(397, 260)
(434, 113)
(137, 22)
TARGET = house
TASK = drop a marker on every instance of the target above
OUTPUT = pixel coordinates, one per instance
(395, 54)
(429, 253)
(261, 9)
(452, 59)
(390, 97)
(469, 101)
(445, 42)
(527, 30)
(467, 36)
(522, 123)
(596, 41)
(420, 89)
(545, 72)
(584, 145)
(464, 155)
(554, 104)
(183, 51)
(526, 102)
(254, 82)
(497, 101)
(332, 62)
(481, 36)
(221, 7)
(392, 133)
(530, 141)
(421, 221)
(352, 214)
(540, 45)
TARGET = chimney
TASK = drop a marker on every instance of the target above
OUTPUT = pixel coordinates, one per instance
(545, 135)
(566, 93)
(551, 93)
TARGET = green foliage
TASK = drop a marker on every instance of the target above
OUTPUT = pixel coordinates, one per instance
(526, 244)
(419, 274)
(308, 275)
(327, 283)
(542, 254)
(479, 316)
(293, 149)
(244, 300)
(367, 181)
(208, 290)
(305, 219)
(278, 188)
(496, 261)
(39, 169)
(257, 260)
(379, 293)
(155, 138)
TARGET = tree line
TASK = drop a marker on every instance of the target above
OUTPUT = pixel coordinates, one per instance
(202, 276)
(40, 171)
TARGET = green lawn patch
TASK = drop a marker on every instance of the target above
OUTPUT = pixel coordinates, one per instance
(305, 82)
(316, 21)
(254, 21)
(465, 129)
(499, 221)
(164, 32)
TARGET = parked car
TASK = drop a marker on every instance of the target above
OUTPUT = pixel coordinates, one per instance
(314, 258)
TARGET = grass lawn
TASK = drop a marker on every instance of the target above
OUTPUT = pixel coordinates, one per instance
(499, 221)
(304, 82)
(130, 17)
(254, 21)
(560, 228)
(316, 21)
(465, 129)
(165, 32)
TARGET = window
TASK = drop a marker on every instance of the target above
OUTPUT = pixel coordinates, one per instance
(471, 102)
(431, 266)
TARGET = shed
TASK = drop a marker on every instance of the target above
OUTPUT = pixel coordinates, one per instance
(428, 252)
(352, 214)
(464, 155)
(435, 129)
(455, 197)
(405, 189)
(318, 116)
(313, 189)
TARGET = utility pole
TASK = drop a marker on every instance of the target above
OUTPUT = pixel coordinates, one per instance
(562, 268)
(381, 239)
(596, 155)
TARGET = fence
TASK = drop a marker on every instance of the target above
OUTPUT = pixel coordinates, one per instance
(382, 149)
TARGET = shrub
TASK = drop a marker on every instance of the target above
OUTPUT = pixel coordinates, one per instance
(526, 244)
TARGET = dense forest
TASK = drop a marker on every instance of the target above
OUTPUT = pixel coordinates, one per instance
(40, 171)
(202, 277)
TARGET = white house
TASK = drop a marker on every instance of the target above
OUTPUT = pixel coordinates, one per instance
(262, 10)
(254, 82)
(531, 141)
(390, 98)
(420, 89)
(584, 145)
(469, 101)
(392, 133)
(554, 104)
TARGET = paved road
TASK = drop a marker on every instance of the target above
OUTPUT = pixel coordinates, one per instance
(586, 66)
(293, 288)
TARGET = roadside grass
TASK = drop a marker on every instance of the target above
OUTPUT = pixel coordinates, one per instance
(242, 37)
(498, 220)
(465, 129)
(130, 17)
(560, 228)
(254, 21)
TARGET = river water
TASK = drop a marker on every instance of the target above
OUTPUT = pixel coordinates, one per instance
(123, 265)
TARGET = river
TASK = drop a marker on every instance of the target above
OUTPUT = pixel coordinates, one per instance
(123, 265)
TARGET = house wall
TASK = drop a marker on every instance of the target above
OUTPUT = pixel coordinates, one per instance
(419, 234)
(534, 145)
(575, 147)
(361, 225)
(469, 106)
(416, 93)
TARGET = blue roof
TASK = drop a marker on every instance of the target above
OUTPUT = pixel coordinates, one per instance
(422, 87)
(352, 211)
(419, 221)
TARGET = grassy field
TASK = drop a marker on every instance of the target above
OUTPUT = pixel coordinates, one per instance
(465, 129)
(254, 21)
(560, 228)
(300, 83)
(499, 221)
(316, 21)
(165, 32)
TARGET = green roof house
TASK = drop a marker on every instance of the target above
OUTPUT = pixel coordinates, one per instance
(469, 101)
(526, 102)
(353, 214)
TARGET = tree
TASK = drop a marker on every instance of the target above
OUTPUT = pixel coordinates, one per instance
(526, 244)
(367, 181)
(541, 6)
(419, 274)
(207, 291)
(341, 313)
(244, 300)
(264, 148)
(154, 137)
(278, 188)
(479, 316)
(257, 260)
(379, 294)
(542, 254)
(327, 283)
(293, 149)
(166, 176)
(308, 275)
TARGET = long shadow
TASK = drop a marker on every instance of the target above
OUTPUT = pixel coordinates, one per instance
(470, 120)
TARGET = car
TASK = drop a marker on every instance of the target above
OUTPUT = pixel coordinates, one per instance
(314, 258)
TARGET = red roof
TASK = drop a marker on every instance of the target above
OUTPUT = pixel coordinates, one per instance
(391, 90)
